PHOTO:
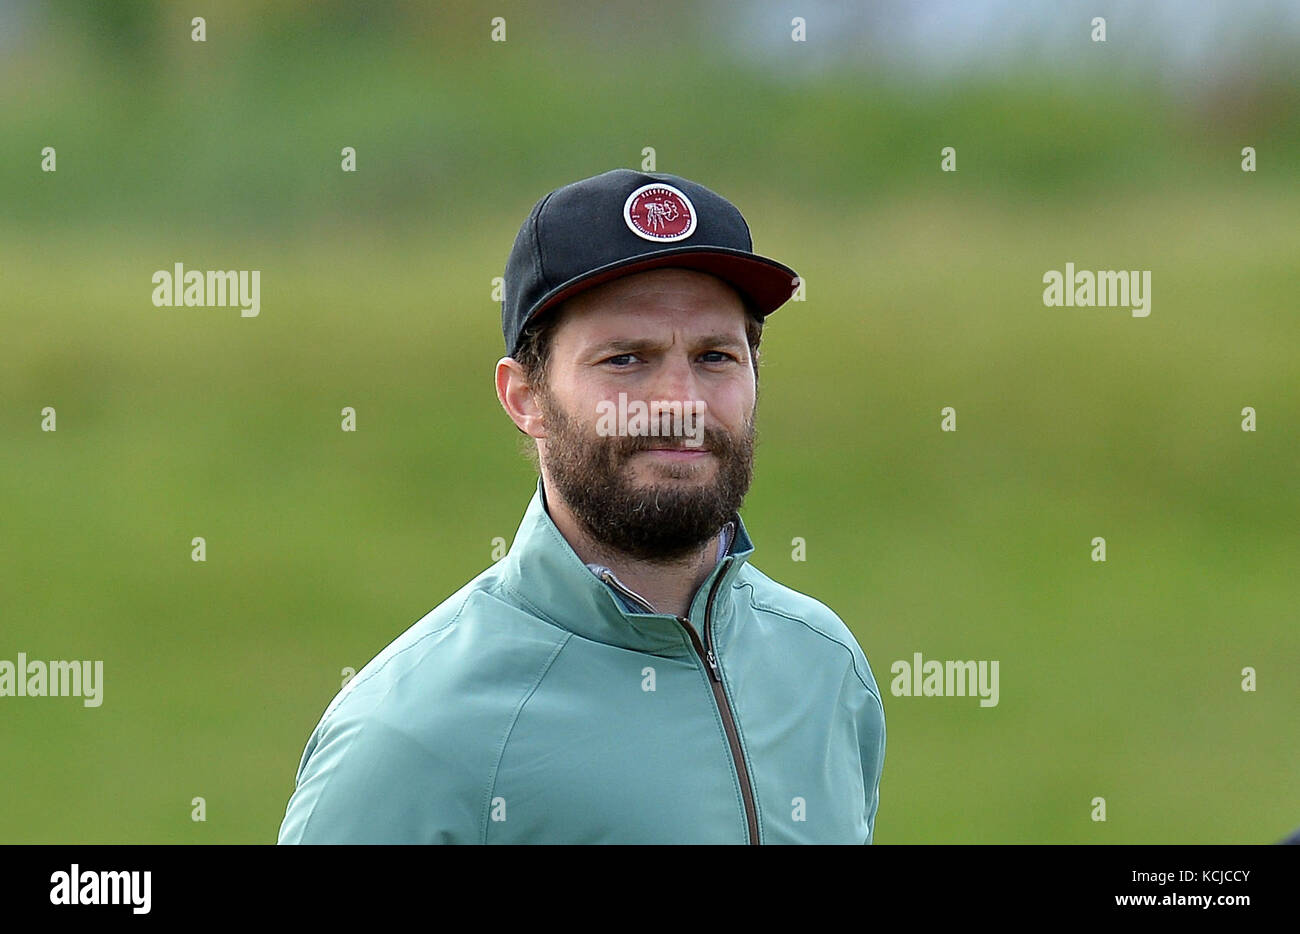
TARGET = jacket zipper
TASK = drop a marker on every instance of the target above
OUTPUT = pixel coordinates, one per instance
(705, 652)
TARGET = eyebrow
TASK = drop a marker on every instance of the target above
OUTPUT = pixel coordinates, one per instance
(638, 344)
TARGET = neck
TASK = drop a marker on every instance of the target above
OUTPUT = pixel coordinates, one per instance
(667, 586)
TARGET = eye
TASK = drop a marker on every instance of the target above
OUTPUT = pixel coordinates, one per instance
(621, 360)
(718, 356)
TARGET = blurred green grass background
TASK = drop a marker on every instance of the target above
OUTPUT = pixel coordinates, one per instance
(1119, 680)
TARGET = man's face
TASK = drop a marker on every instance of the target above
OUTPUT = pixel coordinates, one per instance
(673, 341)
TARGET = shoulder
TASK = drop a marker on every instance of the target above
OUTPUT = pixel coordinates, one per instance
(472, 656)
(434, 706)
(778, 601)
(475, 631)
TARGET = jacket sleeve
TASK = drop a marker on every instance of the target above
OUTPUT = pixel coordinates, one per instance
(871, 735)
(362, 780)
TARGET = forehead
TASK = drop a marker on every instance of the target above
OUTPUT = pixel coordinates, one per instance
(660, 299)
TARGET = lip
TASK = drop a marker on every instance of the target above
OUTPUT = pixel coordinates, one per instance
(677, 454)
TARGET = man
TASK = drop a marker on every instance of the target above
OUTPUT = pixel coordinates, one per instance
(623, 674)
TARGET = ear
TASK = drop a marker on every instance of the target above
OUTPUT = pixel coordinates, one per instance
(518, 398)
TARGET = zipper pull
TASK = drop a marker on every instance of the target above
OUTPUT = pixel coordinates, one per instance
(709, 657)
(713, 666)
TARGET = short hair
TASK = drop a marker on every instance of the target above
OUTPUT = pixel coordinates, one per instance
(534, 353)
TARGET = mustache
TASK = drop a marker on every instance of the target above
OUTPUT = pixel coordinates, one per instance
(712, 438)
(716, 440)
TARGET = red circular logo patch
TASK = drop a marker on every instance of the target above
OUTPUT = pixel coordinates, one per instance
(659, 212)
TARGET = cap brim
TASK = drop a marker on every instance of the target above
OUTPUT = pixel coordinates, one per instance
(766, 283)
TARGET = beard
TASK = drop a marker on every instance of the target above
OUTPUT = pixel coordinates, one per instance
(663, 520)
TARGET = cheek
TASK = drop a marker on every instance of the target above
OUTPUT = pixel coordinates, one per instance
(578, 401)
(732, 405)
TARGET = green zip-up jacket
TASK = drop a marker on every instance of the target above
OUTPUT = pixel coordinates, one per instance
(542, 703)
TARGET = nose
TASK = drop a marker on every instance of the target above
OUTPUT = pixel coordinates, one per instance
(676, 389)
(675, 381)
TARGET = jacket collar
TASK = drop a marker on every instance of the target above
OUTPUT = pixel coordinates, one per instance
(545, 575)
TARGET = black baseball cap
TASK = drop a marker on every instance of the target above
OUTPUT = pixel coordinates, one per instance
(623, 222)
